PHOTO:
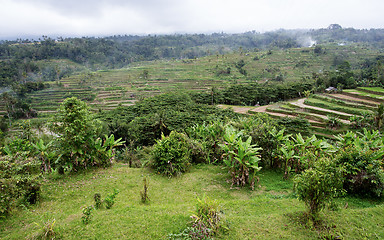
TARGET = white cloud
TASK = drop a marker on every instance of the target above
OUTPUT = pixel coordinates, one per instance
(106, 17)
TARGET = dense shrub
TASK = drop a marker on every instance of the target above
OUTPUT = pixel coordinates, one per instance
(362, 155)
(364, 172)
(143, 123)
(79, 143)
(208, 135)
(8, 195)
(317, 186)
(266, 133)
(171, 154)
(298, 153)
(18, 185)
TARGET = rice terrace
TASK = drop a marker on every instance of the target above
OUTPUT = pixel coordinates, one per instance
(193, 136)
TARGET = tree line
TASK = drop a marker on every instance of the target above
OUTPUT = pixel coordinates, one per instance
(120, 50)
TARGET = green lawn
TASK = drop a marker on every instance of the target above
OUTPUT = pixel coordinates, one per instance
(269, 212)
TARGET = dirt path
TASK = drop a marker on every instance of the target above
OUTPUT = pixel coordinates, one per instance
(237, 109)
(300, 103)
(261, 109)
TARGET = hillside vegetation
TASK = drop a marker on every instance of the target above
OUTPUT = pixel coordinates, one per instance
(269, 212)
(221, 136)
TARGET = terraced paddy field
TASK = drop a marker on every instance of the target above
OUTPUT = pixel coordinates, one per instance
(106, 89)
(320, 109)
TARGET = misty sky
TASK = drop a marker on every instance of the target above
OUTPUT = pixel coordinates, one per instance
(23, 18)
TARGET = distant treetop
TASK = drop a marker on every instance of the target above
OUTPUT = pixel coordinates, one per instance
(334, 26)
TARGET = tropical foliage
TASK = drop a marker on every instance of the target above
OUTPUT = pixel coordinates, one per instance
(317, 186)
(240, 157)
(78, 141)
(171, 155)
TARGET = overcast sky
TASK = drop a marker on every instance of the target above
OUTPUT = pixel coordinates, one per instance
(25, 18)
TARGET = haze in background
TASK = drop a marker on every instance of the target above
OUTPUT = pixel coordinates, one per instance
(31, 18)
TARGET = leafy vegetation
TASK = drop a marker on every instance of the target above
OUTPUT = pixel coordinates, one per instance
(241, 158)
(110, 199)
(171, 154)
(162, 113)
(77, 134)
(317, 186)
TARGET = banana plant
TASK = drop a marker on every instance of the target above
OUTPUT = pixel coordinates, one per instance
(241, 157)
(289, 156)
(44, 154)
(105, 149)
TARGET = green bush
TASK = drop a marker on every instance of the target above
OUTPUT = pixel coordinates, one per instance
(17, 184)
(208, 136)
(98, 202)
(8, 195)
(110, 199)
(87, 214)
(78, 142)
(317, 186)
(171, 154)
(207, 221)
(364, 172)
(362, 155)
(207, 217)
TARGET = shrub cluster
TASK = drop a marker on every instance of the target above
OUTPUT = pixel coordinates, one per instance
(318, 185)
(252, 93)
(364, 172)
(171, 155)
(18, 185)
(79, 144)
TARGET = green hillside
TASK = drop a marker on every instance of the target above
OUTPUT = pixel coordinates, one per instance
(269, 212)
(107, 89)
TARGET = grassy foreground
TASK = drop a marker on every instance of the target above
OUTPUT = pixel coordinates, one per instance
(269, 212)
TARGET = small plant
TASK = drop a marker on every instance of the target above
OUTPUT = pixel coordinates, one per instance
(98, 201)
(87, 214)
(46, 231)
(110, 199)
(333, 122)
(307, 93)
(207, 221)
(144, 193)
(207, 216)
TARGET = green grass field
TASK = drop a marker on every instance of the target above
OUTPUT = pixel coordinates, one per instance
(271, 211)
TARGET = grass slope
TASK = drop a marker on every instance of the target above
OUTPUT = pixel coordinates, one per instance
(269, 212)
